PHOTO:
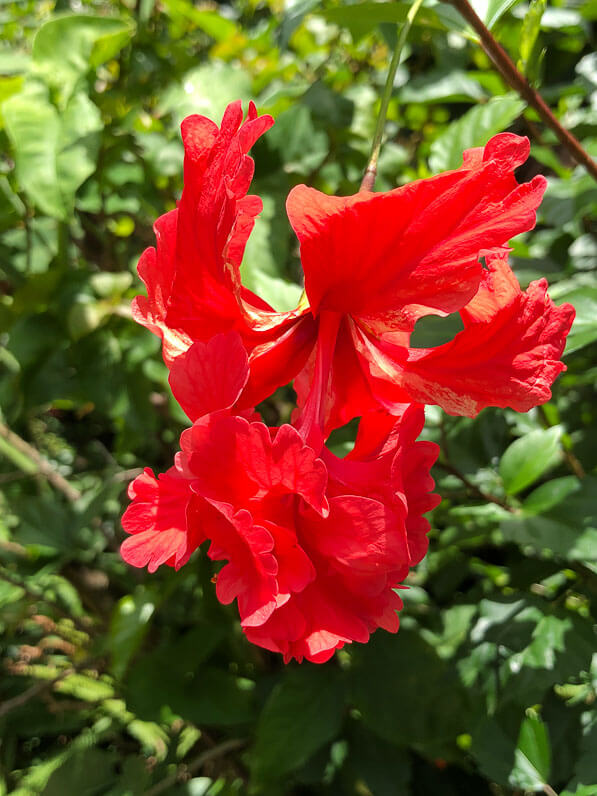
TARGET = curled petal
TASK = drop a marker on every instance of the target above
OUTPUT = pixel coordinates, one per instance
(210, 376)
(507, 355)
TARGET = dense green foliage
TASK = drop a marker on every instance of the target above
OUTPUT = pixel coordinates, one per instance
(119, 682)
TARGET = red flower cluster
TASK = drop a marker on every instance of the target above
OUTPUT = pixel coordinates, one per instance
(316, 545)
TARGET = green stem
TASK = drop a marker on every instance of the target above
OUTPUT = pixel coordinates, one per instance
(63, 241)
(368, 181)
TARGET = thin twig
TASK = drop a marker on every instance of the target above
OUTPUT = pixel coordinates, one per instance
(36, 689)
(195, 765)
(43, 465)
(520, 84)
(368, 181)
(449, 468)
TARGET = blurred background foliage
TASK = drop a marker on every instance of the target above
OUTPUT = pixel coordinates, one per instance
(118, 682)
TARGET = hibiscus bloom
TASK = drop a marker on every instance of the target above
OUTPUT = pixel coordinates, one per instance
(374, 264)
(315, 546)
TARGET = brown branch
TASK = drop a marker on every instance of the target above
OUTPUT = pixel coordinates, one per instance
(43, 466)
(520, 84)
(36, 689)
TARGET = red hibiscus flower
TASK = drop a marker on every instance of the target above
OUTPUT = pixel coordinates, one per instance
(315, 547)
(374, 264)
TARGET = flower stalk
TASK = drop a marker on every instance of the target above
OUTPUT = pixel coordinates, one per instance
(368, 181)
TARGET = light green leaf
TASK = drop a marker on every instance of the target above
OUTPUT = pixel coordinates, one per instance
(54, 153)
(85, 687)
(67, 47)
(455, 86)
(583, 297)
(473, 129)
(210, 22)
(530, 30)
(491, 11)
(527, 458)
(532, 759)
(207, 90)
(550, 494)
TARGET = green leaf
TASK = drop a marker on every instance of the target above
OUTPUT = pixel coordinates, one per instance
(85, 687)
(215, 25)
(360, 18)
(527, 458)
(263, 257)
(455, 86)
(550, 494)
(52, 166)
(86, 772)
(532, 758)
(568, 529)
(491, 11)
(300, 145)
(582, 294)
(473, 129)
(530, 30)
(128, 627)
(303, 713)
(207, 90)
(293, 16)
(67, 47)
(406, 693)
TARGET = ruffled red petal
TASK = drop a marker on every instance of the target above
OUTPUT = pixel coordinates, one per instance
(157, 521)
(507, 355)
(419, 244)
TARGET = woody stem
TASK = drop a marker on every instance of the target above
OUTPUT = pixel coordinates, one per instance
(368, 181)
(520, 84)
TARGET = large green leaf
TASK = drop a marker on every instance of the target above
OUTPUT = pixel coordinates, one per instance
(303, 713)
(67, 47)
(406, 693)
(54, 153)
(473, 129)
(527, 458)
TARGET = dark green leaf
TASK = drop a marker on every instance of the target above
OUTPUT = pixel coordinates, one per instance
(303, 713)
